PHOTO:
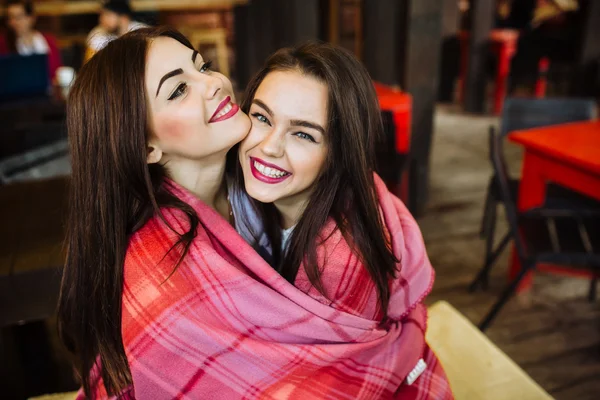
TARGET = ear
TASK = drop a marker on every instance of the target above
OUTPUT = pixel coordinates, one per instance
(154, 154)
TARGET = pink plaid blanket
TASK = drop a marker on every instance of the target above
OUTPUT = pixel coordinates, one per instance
(225, 325)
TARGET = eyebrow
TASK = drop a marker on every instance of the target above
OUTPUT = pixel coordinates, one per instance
(263, 105)
(175, 72)
(168, 75)
(308, 124)
(293, 122)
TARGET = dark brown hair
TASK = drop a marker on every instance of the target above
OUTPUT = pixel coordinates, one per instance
(113, 193)
(345, 189)
(11, 36)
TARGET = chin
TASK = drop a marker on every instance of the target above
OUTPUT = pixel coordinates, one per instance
(240, 125)
(261, 194)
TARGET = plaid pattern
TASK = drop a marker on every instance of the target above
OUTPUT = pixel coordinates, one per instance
(225, 325)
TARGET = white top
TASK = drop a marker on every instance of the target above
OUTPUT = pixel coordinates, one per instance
(38, 45)
(285, 237)
(98, 37)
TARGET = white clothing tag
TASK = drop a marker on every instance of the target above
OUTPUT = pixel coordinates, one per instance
(416, 372)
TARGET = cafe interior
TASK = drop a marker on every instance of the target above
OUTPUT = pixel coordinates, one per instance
(492, 141)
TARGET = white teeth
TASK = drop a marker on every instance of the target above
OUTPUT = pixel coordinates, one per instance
(267, 171)
(225, 110)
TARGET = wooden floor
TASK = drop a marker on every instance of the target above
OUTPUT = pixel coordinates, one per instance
(553, 333)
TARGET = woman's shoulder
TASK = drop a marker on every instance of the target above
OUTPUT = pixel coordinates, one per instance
(154, 244)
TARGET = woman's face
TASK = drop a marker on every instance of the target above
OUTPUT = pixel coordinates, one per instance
(192, 109)
(18, 20)
(285, 151)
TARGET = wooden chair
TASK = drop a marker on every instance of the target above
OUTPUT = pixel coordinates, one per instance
(562, 236)
(523, 113)
(475, 367)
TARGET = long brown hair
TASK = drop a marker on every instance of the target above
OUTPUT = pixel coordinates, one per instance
(345, 189)
(113, 193)
(11, 36)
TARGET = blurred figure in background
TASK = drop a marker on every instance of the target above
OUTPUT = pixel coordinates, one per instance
(115, 20)
(21, 37)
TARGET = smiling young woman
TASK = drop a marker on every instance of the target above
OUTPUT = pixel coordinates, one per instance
(305, 196)
(137, 129)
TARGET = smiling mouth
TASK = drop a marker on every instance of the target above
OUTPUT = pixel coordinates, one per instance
(225, 110)
(267, 172)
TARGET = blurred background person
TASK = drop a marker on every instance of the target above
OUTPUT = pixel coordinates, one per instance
(22, 38)
(115, 19)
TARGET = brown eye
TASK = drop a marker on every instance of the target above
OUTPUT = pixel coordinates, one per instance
(181, 89)
(206, 66)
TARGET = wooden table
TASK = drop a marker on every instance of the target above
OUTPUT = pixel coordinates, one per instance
(31, 248)
(475, 367)
(568, 155)
(31, 122)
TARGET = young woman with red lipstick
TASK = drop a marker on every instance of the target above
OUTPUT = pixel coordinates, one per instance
(305, 196)
(149, 139)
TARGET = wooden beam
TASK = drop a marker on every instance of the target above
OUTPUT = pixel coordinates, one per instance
(384, 33)
(424, 42)
(585, 80)
(264, 26)
(334, 15)
(402, 47)
(482, 19)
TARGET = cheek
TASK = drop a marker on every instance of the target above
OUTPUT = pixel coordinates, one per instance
(180, 124)
(252, 140)
(172, 131)
(308, 162)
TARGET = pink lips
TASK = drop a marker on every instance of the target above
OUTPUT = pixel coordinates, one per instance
(234, 109)
(263, 178)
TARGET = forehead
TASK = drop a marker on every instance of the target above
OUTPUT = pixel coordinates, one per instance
(15, 9)
(164, 55)
(295, 95)
(108, 12)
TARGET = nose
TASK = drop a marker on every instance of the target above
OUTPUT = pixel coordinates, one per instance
(210, 86)
(273, 144)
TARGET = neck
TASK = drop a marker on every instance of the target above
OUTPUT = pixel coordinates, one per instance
(26, 36)
(124, 27)
(290, 211)
(204, 178)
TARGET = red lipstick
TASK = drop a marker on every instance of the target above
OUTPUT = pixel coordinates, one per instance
(264, 178)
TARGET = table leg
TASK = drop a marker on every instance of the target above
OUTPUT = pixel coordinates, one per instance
(505, 53)
(464, 61)
(532, 192)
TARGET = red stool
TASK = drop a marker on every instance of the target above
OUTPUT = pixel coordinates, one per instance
(399, 104)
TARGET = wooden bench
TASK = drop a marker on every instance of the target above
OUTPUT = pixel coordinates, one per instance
(476, 368)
